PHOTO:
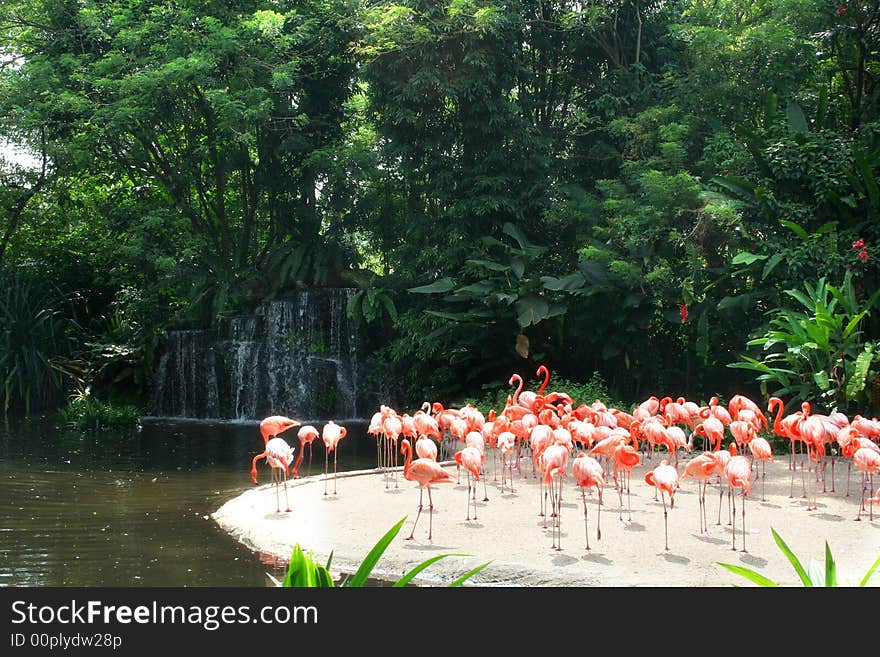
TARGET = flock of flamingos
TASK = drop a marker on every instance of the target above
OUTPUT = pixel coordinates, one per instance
(549, 435)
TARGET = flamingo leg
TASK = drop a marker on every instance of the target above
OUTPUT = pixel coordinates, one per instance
(286, 498)
(665, 524)
(421, 493)
(744, 521)
(599, 517)
(586, 525)
(430, 515)
(733, 533)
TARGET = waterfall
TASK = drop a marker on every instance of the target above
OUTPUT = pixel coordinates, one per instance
(297, 357)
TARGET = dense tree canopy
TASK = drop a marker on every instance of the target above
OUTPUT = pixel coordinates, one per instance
(624, 187)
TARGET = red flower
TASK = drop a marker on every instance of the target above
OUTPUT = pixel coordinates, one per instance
(858, 244)
(840, 11)
(683, 309)
(863, 254)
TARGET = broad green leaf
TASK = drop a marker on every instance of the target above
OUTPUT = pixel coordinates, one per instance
(858, 376)
(480, 288)
(800, 232)
(822, 380)
(488, 264)
(746, 258)
(797, 122)
(442, 285)
(531, 309)
(770, 265)
(817, 573)
(751, 575)
(369, 562)
(518, 266)
(570, 282)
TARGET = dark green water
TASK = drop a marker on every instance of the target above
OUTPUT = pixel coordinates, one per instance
(133, 509)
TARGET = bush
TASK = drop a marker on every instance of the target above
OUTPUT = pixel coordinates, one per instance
(86, 412)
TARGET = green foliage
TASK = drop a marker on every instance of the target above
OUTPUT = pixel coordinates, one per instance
(816, 350)
(36, 349)
(812, 575)
(586, 392)
(303, 571)
(85, 412)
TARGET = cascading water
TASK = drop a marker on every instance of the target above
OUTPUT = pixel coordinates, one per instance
(296, 357)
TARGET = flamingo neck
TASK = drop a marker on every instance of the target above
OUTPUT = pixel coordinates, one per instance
(516, 377)
(546, 378)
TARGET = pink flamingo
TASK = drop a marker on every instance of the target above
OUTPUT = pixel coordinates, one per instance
(626, 457)
(665, 478)
(739, 475)
(471, 460)
(588, 473)
(306, 434)
(701, 468)
(426, 473)
(867, 460)
(278, 455)
(554, 461)
(274, 425)
(506, 444)
(331, 435)
(761, 452)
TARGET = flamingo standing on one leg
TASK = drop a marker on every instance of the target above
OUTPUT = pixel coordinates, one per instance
(665, 478)
(331, 435)
(588, 473)
(425, 472)
(279, 455)
(274, 425)
(306, 434)
(739, 475)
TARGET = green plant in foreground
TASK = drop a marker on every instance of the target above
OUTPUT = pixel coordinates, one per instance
(302, 571)
(813, 575)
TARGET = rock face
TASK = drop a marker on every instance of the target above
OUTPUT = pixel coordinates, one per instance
(299, 357)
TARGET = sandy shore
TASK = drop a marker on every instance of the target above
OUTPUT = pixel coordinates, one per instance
(511, 534)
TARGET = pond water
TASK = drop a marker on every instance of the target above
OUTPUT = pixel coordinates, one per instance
(110, 508)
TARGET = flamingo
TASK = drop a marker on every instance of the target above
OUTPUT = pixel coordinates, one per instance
(722, 458)
(867, 460)
(665, 478)
(274, 425)
(739, 475)
(331, 435)
(626, 457)
(506, 444)
(761, 452)
(426, 448)
(278, 455)
(306, 434)
(701, 468)
(554, 461)
(588, 473)
(426, 473)
(471, 460)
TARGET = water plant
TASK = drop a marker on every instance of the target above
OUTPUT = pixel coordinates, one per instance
(304, 571)
(812, 575)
